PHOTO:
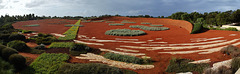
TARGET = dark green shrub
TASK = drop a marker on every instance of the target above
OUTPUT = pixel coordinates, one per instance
(123, 58)
(18, 45)
(89, 68)
(197, 27)
(235, 65)
(5, 67)
(1, 48)
(231, 50)
(182, 65)
(125, 32)
(231, 29)
(78, 49)
(4, 36)
(18, 61)
(26, 31)
(6, 52)
(45, 40)
(17, 37)
(41, 46)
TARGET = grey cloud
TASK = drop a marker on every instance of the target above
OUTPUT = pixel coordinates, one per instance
(35, 3)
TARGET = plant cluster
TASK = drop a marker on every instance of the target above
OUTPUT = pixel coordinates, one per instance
(125, 32)
(125, 21)
(149, 28)
(43, 38)
(48, 63)
(33, 25)
(78, 49)
(99, 21)
(126, 58)
(156, 25)
(110, 22)
(18, 45)
(71, 33)
(231, 50)
(91, 68)
(183, 65)
(61, 45)
(116, 24)
(145, 23)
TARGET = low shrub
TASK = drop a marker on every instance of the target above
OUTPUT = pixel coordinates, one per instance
(116, 24)
(17, 37)
(227, 29)
(235, 64)
(182, 65)
(149, 28)
(43, 39)
(91, 68)
(125, 32)
(231, 50)
(110, 22)
(73, 25)
(5, 67)
(99, 21)
(1, 48)
(18, 45)
(125, 21)
(18, 61)
(48, 63)
(6, 52)
(145, 23)
(156, 25)
(40, 47)
(78, 49)
(61, 45)
(124, 58)
(25, 31)
(32, 25)
(197, 27)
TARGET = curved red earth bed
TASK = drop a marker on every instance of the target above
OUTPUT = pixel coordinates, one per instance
(178, 35)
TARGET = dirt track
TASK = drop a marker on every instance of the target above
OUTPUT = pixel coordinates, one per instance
(176, 35)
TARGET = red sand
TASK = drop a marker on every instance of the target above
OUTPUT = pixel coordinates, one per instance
(178, 33)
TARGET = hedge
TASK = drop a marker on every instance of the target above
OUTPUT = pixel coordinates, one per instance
(91, 68)
(197, 28)
(71, 33)
(125, 32)
(183, 65)
(33, 25)
(116, 24)
(18, 45)
(48, 63)
(149, 28)
(6, 52)
(61, 45)
(124, 58)
(18, 61)
(78, 49)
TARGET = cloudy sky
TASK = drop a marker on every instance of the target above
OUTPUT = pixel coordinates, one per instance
(112, 7)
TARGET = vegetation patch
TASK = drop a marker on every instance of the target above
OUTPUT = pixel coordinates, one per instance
(91, 68)
(47, 63)
(116, 24)
(149, 28)
(71, 33)
(86, 21)
(231, 50)
(26, 31)
(145, 23)
(156, 25)
(125, 21)
(226, 29)
(33, 25)
(125, 32)
(78, 49)
(183, 65)
(43, 39)
(73, 25)
(110, 21)
(5, 67)
(126, 58)
(61, 45)
(98, 21)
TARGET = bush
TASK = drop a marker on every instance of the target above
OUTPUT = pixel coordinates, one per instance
(18, 61)
(124, 58)
(6, 52)
(149, 28)
(116, 24)
(5, 67)
(235, 65)
(90, 68)
(78, 49)
(4, 37)
(26, 31)
(124, 32)
(18, 45)
(41, 46)
(197, 28)
(1, 48)
(48, 63)
(61, 45)
(231, 50)
(182, 65)
(45, 40)
(227, 29)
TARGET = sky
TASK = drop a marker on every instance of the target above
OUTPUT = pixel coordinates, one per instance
(112, 7)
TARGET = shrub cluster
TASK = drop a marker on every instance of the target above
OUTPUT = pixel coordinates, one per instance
(231, 50)
(197, 27)
(227, 29)
(182, 65)
(5, 38)
(5, 67)
(116, 24)
(91, 68)
(40, 47)
(18, 45)
(110, 22)
(25, 31)
(78, 49)
(125, 21)
(71, 33)
(124, 58)
(156, 25)
(125, 32)
(61, 45)
(43, 39)
(18, 61)
(33, 25)
(149, 28)
(48, 63)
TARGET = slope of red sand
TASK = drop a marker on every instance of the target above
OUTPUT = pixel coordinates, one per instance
(178, 33)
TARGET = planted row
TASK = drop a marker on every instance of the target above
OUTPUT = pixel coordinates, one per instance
(124, 32)
(149, 28)
(116, 24)
(33, 25)
(73, 25)
(156, 25)
(125, 21)
(71, 33)
(61, 45)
